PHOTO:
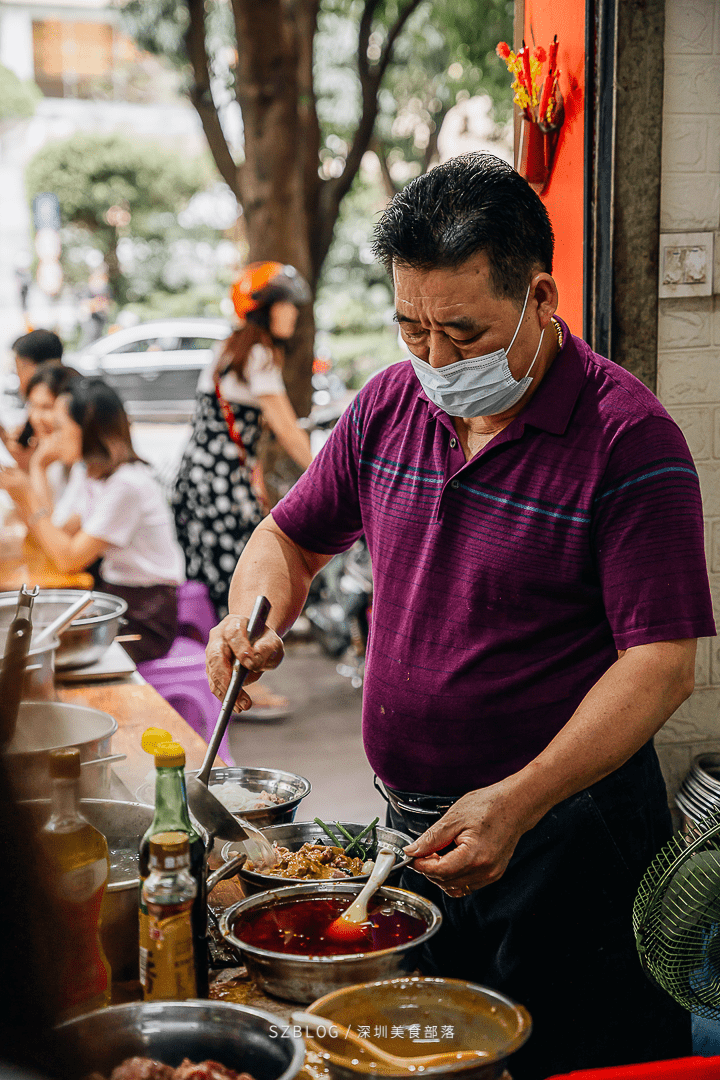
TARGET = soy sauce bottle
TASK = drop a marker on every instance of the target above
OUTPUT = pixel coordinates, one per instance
(79, 865)
(172, 815)
(169, 893)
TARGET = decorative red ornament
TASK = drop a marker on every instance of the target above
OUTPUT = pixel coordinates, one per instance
(540, 54)
(525, 54)
(503, 50)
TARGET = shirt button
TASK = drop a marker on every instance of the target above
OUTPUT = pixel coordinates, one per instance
(455, 484)
(453, 444)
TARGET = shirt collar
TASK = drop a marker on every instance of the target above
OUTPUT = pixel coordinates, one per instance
(552, 404)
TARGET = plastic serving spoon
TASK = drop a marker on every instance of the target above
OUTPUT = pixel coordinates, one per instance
(407, 1064)
(209, 811)
(352, 924)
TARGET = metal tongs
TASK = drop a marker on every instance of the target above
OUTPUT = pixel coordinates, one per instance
(209, 811)
(12, 672)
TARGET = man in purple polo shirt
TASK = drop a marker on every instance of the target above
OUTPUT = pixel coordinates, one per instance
(534, 520)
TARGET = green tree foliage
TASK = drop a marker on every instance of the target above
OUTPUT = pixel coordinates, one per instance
(18, 99)
(111, 186)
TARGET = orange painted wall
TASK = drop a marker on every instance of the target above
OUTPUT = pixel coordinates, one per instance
(564, 197)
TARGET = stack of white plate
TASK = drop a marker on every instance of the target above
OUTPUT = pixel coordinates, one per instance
(699, 794)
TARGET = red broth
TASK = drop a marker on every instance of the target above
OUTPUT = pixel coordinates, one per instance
(299, 926)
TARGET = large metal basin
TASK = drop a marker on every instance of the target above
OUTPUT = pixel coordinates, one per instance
(43, 726)
(87, 638)
(470, 1017)
(237, 1036)
(303, 978)
(123, 825)
(39, 678)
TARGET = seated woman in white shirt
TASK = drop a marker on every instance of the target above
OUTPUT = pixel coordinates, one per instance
(113, 509)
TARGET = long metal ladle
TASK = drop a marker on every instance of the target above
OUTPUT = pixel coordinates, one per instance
(209, 811)
(64, 619)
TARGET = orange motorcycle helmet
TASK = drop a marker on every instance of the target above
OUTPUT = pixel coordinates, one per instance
(262, 284)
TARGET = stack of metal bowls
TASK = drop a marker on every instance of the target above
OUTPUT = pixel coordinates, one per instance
(87, 638)
(699, 794)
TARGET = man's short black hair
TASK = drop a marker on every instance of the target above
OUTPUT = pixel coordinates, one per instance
(39, 346)
(472, 203)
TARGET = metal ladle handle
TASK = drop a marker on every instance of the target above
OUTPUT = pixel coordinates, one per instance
(255, 627)
(64, 619)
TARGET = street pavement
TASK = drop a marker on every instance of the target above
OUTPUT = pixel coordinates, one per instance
(321, 740)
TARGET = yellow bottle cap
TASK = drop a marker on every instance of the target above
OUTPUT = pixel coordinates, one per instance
(154, 737)
(168, 754)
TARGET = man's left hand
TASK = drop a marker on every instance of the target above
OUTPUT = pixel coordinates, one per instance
(485, 833)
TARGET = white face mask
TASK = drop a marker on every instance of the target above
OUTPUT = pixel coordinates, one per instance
(478, 386)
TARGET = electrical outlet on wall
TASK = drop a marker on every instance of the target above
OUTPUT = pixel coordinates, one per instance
(686, 264)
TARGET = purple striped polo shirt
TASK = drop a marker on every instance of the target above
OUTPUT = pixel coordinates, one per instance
(505, 585)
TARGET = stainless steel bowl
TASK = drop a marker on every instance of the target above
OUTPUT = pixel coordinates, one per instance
(237, 1036)
(303, 978)
(294, 835)
(87, 638)
(39, 679)
(461, 1016)
(43, 726)
(288, 786)
(123, 825)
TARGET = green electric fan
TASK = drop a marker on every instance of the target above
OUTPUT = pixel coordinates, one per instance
(676, 918)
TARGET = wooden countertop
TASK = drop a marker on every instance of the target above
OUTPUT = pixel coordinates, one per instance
(136, 706)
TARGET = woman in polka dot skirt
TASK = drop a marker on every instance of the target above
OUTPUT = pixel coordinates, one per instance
(214, 501)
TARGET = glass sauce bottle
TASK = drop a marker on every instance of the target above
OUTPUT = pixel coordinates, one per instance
(169, 892)
(172, 815)
(78, 859)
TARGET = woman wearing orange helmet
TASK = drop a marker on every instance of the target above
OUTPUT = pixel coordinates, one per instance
(214, 501)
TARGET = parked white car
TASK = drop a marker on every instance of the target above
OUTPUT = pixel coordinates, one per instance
(154, 366)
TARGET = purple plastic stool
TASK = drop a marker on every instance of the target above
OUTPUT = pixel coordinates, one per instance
(180, 678)
(196, 614)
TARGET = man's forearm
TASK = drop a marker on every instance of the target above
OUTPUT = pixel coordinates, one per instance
(272, 565)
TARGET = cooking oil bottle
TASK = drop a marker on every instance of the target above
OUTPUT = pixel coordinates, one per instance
(172, 815)
(78, 859)
(169, 892)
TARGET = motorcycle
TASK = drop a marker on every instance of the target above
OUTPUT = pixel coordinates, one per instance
(339, 608)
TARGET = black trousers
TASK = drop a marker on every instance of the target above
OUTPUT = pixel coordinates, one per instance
(151, 613)
(555, 932)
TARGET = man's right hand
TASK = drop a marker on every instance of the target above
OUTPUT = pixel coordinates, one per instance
(229, 640)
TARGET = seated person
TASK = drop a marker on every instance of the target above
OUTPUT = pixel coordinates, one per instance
(113, 509)
(31, 351)
(47, 472)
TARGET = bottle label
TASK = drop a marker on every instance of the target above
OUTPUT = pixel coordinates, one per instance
(81, 893)
(168, 963)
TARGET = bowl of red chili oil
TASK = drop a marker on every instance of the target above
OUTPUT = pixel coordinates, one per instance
(282, 937)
